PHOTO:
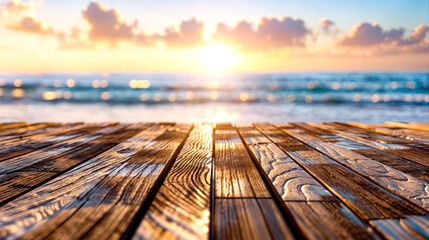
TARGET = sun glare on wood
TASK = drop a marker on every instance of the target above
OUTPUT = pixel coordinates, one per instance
(219, 57)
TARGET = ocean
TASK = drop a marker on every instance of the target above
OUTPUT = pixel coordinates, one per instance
(239, 98)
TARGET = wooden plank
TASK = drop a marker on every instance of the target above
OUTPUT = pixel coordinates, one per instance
(398, 147)
(235, 175)
(367, 200)
(35, 171)
(398, 182)
(24, 129)
(46, 135)
(299, 190)
(58, 196)
(407, 125)
(181, 208)
(419, 123)
(12, 125)
(21, 141)
(107, 209)
(329, 220)
(239, 211)
(382, 140)
(414, 169)
(56, 150)
(35, 133)
(409, 137)
(410, 227)
(251, 134)
(290, 180)
(408, 134)
(249, 218)
(20, 147)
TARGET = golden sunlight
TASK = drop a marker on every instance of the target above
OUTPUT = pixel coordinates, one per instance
(217, 57)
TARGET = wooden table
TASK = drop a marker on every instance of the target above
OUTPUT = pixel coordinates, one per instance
(214, 181)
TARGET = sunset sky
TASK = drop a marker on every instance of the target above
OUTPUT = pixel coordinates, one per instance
(203, 36)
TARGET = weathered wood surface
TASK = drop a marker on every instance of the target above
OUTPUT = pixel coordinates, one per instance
(416, 152)
(379, 154)
(181, 208)
(23, 136)
(10, 141)
(110, 207)
(409, 227)
(214, 181)
(17, 147)
(405, 133)
(30, 171)
(26, 128)
(411, 125)
(12, 125)
(239, 190)
(55, 198)
(47, 146)
(301, 193)
(367, 200)
(396, 181)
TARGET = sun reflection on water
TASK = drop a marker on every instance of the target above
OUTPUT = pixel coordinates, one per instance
(18, 93)
(49, 95)
(139, 83)
(221, 114)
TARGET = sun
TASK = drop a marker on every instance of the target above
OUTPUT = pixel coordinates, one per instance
(217, 57)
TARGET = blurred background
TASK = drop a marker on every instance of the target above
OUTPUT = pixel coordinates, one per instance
(363, 97)
(239, 61)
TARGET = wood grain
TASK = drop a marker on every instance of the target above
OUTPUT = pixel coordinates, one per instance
(367, 200)
(235, 175)
(55, 148)
(421, 127)
(47, 131)
(27, 177)
(240, 212)
(25, 129)
(398, 182)
(289, 179)
(410, 227)
(329, 220)
(39, 206)
(108, 209)
(249, 219)
(181, 208)
(412, 168)
(251, 134)
(408, 134)
(300, 200)
(170, 181)
(44, 133)
(23, 146)
(412, 151)
(12, 125)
